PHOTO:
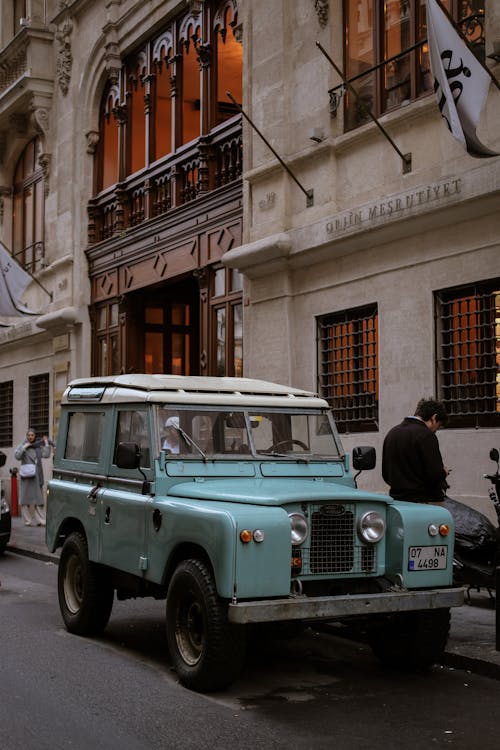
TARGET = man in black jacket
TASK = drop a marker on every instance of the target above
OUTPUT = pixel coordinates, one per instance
(411, 460)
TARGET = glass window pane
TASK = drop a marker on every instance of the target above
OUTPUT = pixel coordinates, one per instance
(103, 356)
(397, 34)
(115, 361)
(220, 282)
(109, 127)
(154, 315)
(229, 70)
(180, 354)
(101, 318)
(84, 438)
(138, 124)
(221, 341)
(180, 314)
(113, 314)
(163, 112)
(190, 94)
(360, 55)
(238, 341)
(153, 356)
(236, 280)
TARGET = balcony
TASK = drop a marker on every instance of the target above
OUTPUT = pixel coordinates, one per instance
(27, 72)
(191, 172)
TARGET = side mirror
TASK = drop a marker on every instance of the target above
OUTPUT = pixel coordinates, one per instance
(3, 458)
(494, 455)
(364, 458)
(127, 456)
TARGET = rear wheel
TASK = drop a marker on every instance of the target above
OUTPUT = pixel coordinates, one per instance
(206, 650)
(411, 640)
(85, 592)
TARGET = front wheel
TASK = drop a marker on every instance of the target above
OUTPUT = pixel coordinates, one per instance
(411, 640)
(206, 650)
(85, 592)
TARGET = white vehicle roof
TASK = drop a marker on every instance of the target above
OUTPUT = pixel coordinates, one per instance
(175, 389)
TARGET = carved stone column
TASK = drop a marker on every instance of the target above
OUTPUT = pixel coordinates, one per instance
(64, 56)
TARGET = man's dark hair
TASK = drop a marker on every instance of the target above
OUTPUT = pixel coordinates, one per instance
(427, 407)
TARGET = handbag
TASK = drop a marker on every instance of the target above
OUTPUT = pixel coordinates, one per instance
(26, 471)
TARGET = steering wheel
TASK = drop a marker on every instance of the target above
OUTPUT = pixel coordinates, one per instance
(282, 443)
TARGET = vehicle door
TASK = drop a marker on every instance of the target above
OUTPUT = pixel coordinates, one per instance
(124, 506)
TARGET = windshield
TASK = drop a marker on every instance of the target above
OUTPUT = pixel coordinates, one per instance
(209, 433)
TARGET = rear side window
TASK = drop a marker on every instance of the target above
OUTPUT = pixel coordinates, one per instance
(84, 439)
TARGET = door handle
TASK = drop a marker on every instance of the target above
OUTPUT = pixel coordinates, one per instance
(92, 496)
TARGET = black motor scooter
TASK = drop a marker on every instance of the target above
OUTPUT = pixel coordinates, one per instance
(477, 541)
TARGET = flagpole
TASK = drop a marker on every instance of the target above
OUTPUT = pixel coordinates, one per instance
(308, 193)
(50, 294)
(406, 158)
(469, 46)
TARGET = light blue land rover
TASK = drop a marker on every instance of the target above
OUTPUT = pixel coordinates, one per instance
(234, 501)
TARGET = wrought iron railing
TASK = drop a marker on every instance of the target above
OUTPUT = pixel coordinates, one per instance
(31, 257)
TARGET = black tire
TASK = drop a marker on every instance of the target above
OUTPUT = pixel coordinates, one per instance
(411, 641)
(206, 650)
(3, 547)
(85, 592)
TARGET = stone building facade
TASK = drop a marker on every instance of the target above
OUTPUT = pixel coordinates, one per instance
(372, 279)
(120, 190)
(385, 287)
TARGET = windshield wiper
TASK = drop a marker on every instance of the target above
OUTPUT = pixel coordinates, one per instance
(189, 440)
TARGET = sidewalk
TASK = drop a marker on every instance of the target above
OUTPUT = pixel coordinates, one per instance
(471, 645)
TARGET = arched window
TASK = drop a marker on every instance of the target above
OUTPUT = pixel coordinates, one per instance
(28, 209)
(162, 107)
(170, 92)
(108, 152)
(229, 68)
(191, 103)
(137, 119)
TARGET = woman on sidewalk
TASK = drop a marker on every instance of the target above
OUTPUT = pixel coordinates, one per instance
(31, 479)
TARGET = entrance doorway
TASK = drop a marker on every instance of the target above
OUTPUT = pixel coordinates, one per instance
(171, 330)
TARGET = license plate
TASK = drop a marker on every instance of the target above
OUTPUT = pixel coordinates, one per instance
(428, 558)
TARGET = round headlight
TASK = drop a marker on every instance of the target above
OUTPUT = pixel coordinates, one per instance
(371, 527)
(299, 528)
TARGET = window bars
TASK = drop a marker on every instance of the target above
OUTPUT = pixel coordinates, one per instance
(348, 367)
(468, 353)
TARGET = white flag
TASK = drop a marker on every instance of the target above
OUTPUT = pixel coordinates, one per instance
(13, 282)
(460, 81)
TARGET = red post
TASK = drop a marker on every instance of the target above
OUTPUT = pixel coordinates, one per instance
(14, 511)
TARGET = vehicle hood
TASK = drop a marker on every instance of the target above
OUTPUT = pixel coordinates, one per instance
(272, 491)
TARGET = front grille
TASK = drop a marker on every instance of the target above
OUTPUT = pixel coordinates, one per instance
(333, 545)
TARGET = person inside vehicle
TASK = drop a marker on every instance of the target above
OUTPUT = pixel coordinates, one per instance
(172, 436)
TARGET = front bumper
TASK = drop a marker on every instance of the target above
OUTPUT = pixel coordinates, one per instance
(338, 607)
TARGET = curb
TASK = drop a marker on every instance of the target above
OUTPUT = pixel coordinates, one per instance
(471, 664)
(33, 553)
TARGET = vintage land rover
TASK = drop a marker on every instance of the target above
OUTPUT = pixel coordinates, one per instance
(233, 500)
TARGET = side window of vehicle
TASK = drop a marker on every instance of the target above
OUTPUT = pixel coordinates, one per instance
(84, 436)
(132, 427)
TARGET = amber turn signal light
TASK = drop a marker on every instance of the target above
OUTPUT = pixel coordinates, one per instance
(444, 529)
(246, 536)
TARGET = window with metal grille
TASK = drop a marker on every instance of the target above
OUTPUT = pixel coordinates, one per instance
(348, 367)
(39, 404)
(468, 353)
(6, 413)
